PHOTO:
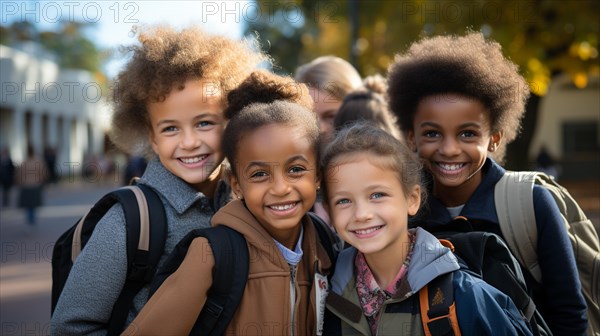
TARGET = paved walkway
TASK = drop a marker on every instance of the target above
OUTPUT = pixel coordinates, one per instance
(26, 254)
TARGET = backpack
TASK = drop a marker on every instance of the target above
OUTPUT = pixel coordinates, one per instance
(483, 255)
(145, 244)
(513, 196)
(230, 250)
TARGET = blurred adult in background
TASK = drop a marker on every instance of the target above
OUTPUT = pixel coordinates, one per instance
(50, 159)
(546, 163)
(367, 104)
(7, 175)
(136, 165)
(31, 176)
(329, 80)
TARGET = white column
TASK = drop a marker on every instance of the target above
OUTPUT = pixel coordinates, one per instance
(97, 138)
(81, 141)
(18, 136)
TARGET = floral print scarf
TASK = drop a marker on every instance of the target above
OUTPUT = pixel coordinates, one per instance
(370, 295)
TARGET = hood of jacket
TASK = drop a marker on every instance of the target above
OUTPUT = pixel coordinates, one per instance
(430, 259)
(236, 216)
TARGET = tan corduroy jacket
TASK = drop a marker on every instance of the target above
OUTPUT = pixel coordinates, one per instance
(266, 305)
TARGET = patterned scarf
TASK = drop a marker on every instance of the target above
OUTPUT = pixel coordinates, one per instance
(370, 295)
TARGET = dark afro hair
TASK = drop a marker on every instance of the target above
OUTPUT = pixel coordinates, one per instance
(467, 65)
(265, 87)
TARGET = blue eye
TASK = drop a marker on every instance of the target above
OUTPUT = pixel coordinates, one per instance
(377, 195)
(169, 129)
(343, 201)
(205, 123)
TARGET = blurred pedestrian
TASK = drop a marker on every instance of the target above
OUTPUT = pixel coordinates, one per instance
(545, 163)
(136, 164)
(31, 176)
(50, 159)
(7, 175)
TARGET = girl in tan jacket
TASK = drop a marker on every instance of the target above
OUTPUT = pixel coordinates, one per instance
(272, 143)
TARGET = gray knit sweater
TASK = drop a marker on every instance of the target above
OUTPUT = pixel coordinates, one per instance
(98, 274)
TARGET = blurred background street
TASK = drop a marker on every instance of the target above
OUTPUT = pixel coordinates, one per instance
(25, 268)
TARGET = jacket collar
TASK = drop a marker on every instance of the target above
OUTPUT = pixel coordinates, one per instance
(236, 216)
(480, 205)
(430, 259)
(180, 195)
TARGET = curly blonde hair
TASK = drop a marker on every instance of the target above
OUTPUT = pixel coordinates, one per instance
(163, 61)
(467, 65)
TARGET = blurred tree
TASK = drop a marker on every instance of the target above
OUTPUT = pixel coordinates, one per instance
(72, 48)
(544, 37)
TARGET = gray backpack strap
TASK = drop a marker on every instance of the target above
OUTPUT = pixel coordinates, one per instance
(513, 196)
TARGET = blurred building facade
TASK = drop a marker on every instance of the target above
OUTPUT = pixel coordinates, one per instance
(48, 107)
(568, 125)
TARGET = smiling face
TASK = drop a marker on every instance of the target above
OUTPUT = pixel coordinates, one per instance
(276, 177)
(452, 135)
(368, 205)
(186, 134)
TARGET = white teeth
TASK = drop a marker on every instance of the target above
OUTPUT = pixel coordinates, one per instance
(367, 231)
(194, 159)
(283, 207)
(455, 166)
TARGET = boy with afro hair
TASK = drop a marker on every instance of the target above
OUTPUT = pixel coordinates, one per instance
(459, 102)
(168, 103)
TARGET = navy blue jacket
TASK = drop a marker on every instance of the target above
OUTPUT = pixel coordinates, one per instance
(558, 298)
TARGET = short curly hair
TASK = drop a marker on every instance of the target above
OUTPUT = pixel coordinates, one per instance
(263, 99)
(467, 65)
(163, 61)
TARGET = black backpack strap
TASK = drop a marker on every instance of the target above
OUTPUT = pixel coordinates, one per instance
(71, 242)
(146, 226)
(232, 262)
(497, 261)
(330, 241)
(438, 312)
(230, 274)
